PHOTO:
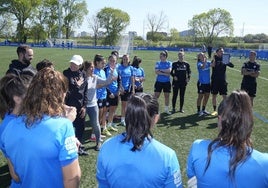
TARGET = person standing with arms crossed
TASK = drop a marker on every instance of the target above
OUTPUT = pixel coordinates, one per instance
(162, 71)
(218, 78)
(181, 74)
(250, 71)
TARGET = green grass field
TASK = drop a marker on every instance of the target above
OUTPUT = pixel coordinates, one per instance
(178, 130)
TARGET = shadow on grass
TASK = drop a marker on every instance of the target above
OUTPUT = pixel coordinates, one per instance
(185, 122)
(5, 177)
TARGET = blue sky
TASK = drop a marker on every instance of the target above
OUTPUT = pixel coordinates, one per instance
(249, 17)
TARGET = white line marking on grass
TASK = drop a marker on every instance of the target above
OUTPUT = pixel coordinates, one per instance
(260, 117)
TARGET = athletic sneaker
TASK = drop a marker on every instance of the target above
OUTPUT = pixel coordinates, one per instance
(206, 112)
(93, 139)
(214, 113)
(167, 112)
(200, 113)
(111, 128)
(181, 111)
(106, 132)
(122, 123)
(97, 147)
(82, 152)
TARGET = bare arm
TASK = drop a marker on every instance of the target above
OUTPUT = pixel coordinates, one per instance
(71, 175)
(12, 171)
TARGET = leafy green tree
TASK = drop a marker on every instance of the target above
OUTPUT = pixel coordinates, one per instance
(174, 35)
(113, 21)
(73, 12)
(210, 25)
(48, 17)
(22, 10)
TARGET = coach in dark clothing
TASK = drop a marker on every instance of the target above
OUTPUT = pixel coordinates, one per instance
(218, 78)
(23, 63)
(181, 74)
(77, 96)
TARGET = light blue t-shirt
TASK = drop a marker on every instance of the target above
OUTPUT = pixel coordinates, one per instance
(138, 73)
(252, 173)
(203, 73)
(38, 153)
(101, 92)
(155, 165)
(126, 73)
(7, 118)
(113, 87)
(162, 66)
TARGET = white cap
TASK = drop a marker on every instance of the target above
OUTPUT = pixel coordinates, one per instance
(77, 59)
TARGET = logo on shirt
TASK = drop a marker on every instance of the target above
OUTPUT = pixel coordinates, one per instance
(70, 144)
(177, 178)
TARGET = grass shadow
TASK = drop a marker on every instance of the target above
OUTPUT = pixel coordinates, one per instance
(184, 122)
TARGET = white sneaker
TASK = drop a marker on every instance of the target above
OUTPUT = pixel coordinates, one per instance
(167, 112)
(200, 113)
(206, 112)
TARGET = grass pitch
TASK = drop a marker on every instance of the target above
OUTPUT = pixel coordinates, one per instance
(178, 130)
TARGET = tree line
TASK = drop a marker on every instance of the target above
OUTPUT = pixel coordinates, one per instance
(42, 19)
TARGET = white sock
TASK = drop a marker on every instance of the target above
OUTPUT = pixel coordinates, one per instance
(109, 124)
(166, 108)
(122, 119)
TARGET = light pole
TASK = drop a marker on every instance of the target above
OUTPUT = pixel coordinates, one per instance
(60, 18)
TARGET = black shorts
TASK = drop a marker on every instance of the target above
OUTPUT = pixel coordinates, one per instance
(219, 87)
(251, 88)
(112, 101)
(138, 89)
(203, 88)
(165, 86)
(101, 103)
(125, 96)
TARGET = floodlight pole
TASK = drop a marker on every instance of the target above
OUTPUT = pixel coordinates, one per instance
(60, 18)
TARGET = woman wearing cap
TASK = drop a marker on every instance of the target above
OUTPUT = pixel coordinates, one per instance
(162, 70)
(77, 96)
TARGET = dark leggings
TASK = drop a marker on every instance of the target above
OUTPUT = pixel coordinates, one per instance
(175, 95)
(79, 125)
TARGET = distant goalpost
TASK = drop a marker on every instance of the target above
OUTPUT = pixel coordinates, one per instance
(125, 44)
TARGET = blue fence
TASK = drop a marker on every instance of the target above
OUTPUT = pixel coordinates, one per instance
(262, 54)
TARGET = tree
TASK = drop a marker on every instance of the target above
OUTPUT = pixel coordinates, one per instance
(94, 24)
(156, 24)
(174, 35)
(22, 10)
(6, 25)
(209, 26)
(113, 21)
(73, 12)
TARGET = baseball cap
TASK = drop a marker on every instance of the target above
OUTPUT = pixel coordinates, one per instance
(77, 59)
